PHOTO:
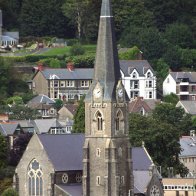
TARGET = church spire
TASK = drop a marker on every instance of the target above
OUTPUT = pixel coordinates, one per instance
(107, 69)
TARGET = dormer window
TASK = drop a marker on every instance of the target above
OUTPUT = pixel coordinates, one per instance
(149, 75)
(134, 75)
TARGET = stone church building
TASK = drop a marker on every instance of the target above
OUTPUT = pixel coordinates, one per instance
(100, 162)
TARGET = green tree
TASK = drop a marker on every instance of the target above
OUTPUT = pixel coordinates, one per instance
(43, 18)
(10, 192)
(148, 40)
(171, 98)
(58, 104)
(16, 100)
(130, 54)
(179, 34)
(161, 133)
(79, 118)
(3, 151)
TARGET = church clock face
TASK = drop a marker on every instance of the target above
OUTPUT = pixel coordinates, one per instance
(120, 93)
(154, 191)
(97, 92)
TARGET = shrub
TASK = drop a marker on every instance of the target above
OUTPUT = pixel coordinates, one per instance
(71, 42)
(130, 54)
(76, 50)
(9, 192)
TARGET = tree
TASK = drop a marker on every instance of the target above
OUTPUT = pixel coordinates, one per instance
(20, 144)
(76, 11)
(42, 18)
(179, 34)
(3, 151)
(130, 54)
(148, 40)
(161, 133)
(79, 118)
(10, 192)
(58, 104)
(171, 98)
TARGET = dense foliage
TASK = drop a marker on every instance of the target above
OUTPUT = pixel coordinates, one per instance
(161, 133)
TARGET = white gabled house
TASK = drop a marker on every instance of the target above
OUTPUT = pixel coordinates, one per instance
(138, 78)
(183, 84)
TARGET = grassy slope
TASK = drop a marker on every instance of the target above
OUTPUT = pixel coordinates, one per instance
(90, 49)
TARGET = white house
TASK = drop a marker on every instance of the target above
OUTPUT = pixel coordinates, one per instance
(138, 78)
(182, 84)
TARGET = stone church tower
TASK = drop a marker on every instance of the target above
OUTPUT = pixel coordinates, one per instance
(107, 163)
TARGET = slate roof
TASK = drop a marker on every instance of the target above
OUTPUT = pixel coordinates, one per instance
(72, 108)
(44, 125)
(72, 189)
(178, 76)
(41, 99)
(62, 74)
(141, 159)
(188, 106)
(188, 146)
(8, 128)
(64, 151)
(142, 66)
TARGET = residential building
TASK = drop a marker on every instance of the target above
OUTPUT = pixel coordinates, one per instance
(183, 84)
(56, 161)
(67, 84)
(138, 78)
(67, 111)
(188, 106)
(188, 152)
(179, 186)
(44, 105)
(10, 130)
(142, 106)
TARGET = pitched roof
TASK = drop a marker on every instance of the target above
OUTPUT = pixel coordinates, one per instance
(188, 106)
(72, 108)
(62, 74)
(72, 189)
(142, 66)
(178, 76)
(137, 104)
(64, 151)
(141, 159)
(188, 146)
(8, 128)
(43, 99)
(44, 125)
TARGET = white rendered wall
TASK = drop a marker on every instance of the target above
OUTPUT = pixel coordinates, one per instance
(169, 85)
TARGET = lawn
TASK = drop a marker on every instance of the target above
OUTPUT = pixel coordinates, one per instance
(90, 49)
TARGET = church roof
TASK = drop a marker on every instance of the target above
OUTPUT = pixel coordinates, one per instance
(141, 159)
(64, 151)
(72, 189)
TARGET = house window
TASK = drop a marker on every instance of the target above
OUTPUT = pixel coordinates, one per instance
(99, 121)
(149, 95)
(62, 83)
(134, 94)
(98, 180)
(65, 178)
(35, 180)
(149, 83)
(55, 94)
(119, 121)
(134, 84)
(84, 83)
(134, 75)
(78, 177)
(167, 80)
(149, 75)
(98, 152)
(56, 84)
(70, 83)
(70, 96)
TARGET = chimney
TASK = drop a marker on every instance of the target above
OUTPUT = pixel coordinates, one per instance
(40, 66)
(70, 66)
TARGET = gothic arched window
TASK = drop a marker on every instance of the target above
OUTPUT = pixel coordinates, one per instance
(99, 121)
(35, 179)
(119, 121)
